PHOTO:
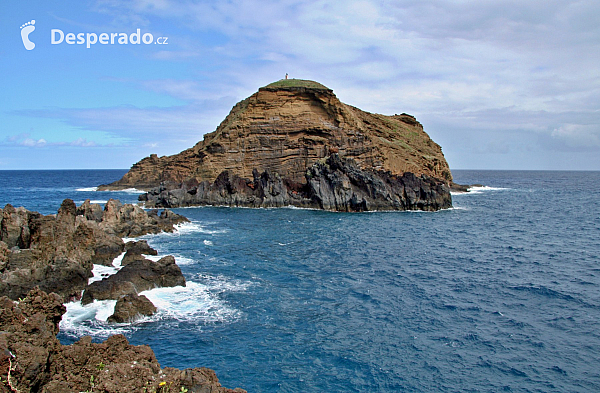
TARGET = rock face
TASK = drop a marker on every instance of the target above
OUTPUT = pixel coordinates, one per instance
(130, 307)
(136, 250)
(287, 127)
(33, 360)
(57, 253)
(334, 183)
(137, 276)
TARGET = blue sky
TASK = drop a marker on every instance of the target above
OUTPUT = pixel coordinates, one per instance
(498, 84)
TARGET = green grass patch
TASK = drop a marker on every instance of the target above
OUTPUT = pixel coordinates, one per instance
(297, 83)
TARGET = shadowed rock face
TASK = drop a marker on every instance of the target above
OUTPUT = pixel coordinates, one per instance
(33, 360)
(286, 130)
(335, 183)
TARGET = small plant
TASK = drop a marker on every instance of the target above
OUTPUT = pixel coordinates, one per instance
(164, 388)
(100, 366)
(183, 390)
(91, 384)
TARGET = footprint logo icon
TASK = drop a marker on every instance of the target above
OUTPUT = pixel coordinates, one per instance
(26, 29)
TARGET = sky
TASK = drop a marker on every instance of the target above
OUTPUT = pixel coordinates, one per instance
(499, 84)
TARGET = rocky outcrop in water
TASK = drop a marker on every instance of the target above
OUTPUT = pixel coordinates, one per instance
(334, 183)
(137, 276)
(281, 132)
(131, 307)
(33, 360)
(56, 252)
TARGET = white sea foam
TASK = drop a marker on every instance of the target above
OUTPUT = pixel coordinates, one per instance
(98, 201)
(196, 227)
(185, 228)
(154, 258)
(184, 261)
(87, 189)
(219, 284)
(117, 261)
(100, 271)
(480, 189)
(207, 243)
(197, 302)
(90, 319)
(192, 302)
(456, 208)
(291, 207)
(131, 191)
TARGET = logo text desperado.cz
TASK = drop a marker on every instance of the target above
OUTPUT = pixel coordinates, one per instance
(57, 36)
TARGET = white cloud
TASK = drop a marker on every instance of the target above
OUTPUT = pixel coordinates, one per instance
(26, 141)
(577, 137)
(33, 143)
(83, 143)
(524, 68)
(132, 125)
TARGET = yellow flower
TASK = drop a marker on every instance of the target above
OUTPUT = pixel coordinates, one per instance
(163, 383)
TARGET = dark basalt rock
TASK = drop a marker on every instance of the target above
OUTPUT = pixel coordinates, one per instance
(135, 277)
(131, 307)
(136, 251)
(335, 183)
(340, 185)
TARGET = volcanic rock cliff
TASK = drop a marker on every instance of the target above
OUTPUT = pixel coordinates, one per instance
(285, 129)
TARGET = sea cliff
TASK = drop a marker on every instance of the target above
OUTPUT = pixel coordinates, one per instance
(289, 132)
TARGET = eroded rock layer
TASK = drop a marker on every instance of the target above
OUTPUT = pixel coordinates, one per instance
(285, 129)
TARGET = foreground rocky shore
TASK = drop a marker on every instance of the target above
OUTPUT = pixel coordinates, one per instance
(334, 183)
(46, 261)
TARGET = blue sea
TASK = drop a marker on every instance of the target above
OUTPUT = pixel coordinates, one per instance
(500, 293)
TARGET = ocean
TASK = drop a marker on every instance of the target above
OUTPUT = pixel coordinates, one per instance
(500, 293)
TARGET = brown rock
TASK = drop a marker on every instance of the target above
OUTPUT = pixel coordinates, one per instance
(4, 255)
(136, 251)
(33, 360)
(14, 228)
(57, 253)
(287, 129)
(131, 220)
(29, 331)
(131, 307)
(91, 211)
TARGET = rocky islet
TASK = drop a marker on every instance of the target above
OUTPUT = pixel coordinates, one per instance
(276, 148)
